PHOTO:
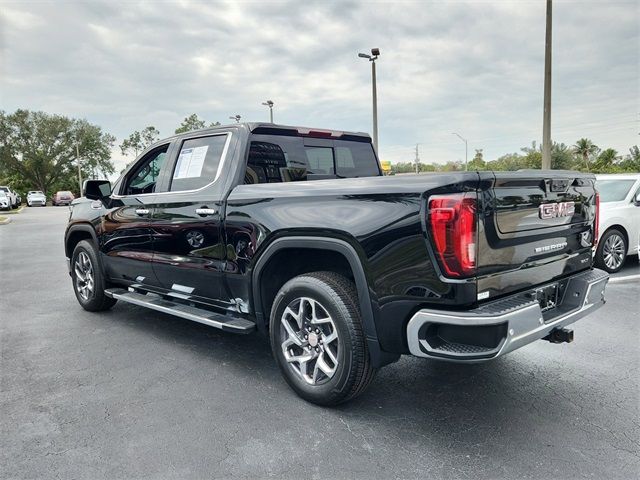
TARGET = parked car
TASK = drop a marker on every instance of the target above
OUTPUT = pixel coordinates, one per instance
(36, 197)
(5, 202)
(294, 233)
(11, 195)
(64, 197)
(619, 226)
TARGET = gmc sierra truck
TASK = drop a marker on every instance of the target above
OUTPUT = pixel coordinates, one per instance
(296, 234)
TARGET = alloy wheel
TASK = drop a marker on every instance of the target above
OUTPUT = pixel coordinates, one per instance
(85, 282)
(309, 340)
(613, 251)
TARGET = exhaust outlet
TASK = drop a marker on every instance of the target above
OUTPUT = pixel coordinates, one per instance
(559, 335)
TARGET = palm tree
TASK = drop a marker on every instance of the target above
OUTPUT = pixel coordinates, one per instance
(585, 148)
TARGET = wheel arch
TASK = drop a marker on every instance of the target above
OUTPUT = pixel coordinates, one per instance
(343, 255)
(77, 233)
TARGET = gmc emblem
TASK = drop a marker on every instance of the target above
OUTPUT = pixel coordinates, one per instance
(554, 210)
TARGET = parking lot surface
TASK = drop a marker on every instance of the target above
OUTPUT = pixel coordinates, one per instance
(132, 393)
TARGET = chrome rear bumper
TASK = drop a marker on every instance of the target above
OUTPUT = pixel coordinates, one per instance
(499, 327)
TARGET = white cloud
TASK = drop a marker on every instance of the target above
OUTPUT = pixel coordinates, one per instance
(471, 67)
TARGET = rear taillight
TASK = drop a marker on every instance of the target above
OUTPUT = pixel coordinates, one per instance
(596, 221)
(453, 222)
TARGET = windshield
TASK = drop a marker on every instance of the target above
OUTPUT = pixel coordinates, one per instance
(35, 192)
(613, 190)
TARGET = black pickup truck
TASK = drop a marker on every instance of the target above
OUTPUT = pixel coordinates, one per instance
(295, 233)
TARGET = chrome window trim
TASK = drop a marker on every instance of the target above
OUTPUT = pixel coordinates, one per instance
(223, 158)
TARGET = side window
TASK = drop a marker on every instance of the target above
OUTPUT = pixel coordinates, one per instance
(198, 162)
(145, 175)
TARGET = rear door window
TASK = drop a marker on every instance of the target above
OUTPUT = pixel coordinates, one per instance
(198, 162)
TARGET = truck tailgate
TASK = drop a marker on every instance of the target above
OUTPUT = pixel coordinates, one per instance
(536, 226)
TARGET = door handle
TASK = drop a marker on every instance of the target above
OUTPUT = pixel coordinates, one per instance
(142, 211)
(203, 212)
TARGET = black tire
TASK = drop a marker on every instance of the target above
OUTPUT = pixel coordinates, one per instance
(612, 251)
(337, 296)
(94, 300)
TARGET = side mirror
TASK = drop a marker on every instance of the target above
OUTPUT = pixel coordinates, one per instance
(636, 199)
(96, 189)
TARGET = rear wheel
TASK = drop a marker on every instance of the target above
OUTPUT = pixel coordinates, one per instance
(317, 338)
(612, 251)
(88, 280)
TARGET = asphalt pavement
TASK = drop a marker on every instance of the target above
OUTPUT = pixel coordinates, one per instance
(132, 393)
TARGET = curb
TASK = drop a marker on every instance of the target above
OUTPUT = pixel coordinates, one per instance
(627, 278)
(5, 221)
(12, 212)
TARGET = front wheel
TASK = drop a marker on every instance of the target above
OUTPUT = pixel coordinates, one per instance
(88, 280)
(612, 251)
(317, 338)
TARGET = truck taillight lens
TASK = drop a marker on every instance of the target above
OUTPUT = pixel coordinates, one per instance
(453, 222)
(596, 221)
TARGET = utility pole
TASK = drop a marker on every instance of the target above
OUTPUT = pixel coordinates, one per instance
(79, 169)
(417, 159)
(375, 53)
(546, 122)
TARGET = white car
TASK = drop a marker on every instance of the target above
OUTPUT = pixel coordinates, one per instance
(36, 197)
(11, 195)
(5, 203)
(619, 225)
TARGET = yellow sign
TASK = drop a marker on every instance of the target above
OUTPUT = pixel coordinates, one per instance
(385, 165)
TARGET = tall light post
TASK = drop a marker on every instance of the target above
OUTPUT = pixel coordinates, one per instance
(236, 118)
(375, 53)
(546, 121)
(465, 148)
(269, 104)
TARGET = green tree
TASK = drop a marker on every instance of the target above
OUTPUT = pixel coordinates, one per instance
(561, 157)
(138, 141)
(631, 162)
(40, 150)
(477, 163)
(606, 162)
(585, 149)
(193, 122)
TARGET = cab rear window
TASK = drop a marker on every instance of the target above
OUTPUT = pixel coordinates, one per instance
(279, 158)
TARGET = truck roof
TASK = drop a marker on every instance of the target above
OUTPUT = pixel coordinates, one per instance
(276, 129)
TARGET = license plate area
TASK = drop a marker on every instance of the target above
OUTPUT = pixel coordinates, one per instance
(547, 297)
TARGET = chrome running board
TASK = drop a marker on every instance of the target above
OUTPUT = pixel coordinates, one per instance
(152, 301)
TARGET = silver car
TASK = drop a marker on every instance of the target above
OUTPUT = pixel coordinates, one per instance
(35, 198)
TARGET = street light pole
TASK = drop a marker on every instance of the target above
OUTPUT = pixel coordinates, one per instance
(269, 104)
(465, 149)
(236, 118)
(375, 53)
(546, 121)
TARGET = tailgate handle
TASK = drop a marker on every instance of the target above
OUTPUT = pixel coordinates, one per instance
(559, 184)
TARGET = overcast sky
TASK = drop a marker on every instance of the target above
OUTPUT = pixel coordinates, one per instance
(471, 67)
